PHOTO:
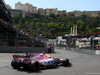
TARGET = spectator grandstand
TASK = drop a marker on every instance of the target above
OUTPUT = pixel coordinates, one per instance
(10, 35)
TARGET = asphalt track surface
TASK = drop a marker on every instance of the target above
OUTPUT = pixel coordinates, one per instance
(83, 64)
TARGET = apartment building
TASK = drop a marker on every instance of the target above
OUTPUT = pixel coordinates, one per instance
(78, 13)
(41, 11)
(92, 13)
(26, 7)
(88, 13)
(62, 12)
(55, 11)
(51, 11)
(8, 6)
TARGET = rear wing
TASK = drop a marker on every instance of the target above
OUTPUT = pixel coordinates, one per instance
(17, 58)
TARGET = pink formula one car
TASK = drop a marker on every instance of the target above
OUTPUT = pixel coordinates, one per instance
(34, 61)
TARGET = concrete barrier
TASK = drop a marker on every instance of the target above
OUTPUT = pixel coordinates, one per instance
(89, 51)
(8, 49)
(97, 52)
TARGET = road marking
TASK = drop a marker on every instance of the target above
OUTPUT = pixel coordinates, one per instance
(92, 73)
(4, 66)
(4, 61)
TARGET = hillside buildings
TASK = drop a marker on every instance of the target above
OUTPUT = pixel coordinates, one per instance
(62, 12)
(50, 11)
(41, 11)
(88, 13)
(32, 9)
(28, 10)
(26, 7)
(47, 11)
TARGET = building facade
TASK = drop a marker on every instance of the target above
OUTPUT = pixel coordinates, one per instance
(30, 9)
(47, 11)
(18, 12)
(55, 11)
(26, 7)
(92, 13)
(62, 12)
(51, 11)
(41, 11)
(9, 7)
(88, 13)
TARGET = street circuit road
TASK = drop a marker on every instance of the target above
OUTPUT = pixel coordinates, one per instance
(83, 64)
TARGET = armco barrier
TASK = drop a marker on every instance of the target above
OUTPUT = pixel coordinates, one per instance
(8, 49)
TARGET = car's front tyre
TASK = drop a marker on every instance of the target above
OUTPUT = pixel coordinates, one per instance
(66, 63)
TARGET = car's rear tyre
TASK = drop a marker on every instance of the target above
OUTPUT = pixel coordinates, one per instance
(66, 63)
(14, 64)
(34, 66)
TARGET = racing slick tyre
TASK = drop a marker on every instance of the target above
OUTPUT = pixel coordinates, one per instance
(66, 63)
(14, 64)
(34, 66)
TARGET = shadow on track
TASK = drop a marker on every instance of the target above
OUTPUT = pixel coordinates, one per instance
(40, 70)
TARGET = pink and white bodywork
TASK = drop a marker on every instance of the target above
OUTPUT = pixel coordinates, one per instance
(37, 60)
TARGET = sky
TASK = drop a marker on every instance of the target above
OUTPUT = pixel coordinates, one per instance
(68, 5)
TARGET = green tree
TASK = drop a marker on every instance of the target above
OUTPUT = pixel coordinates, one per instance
(62, 27)
(32, 26)
(19, 26)
(52, 15)
(38, 24)
(20, 22)
(93, 22)
(16, 18)
(26, 23)
(80, 24)
(52, 30)
(56, 24)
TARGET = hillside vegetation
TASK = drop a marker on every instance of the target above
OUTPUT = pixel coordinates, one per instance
(55, 25)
